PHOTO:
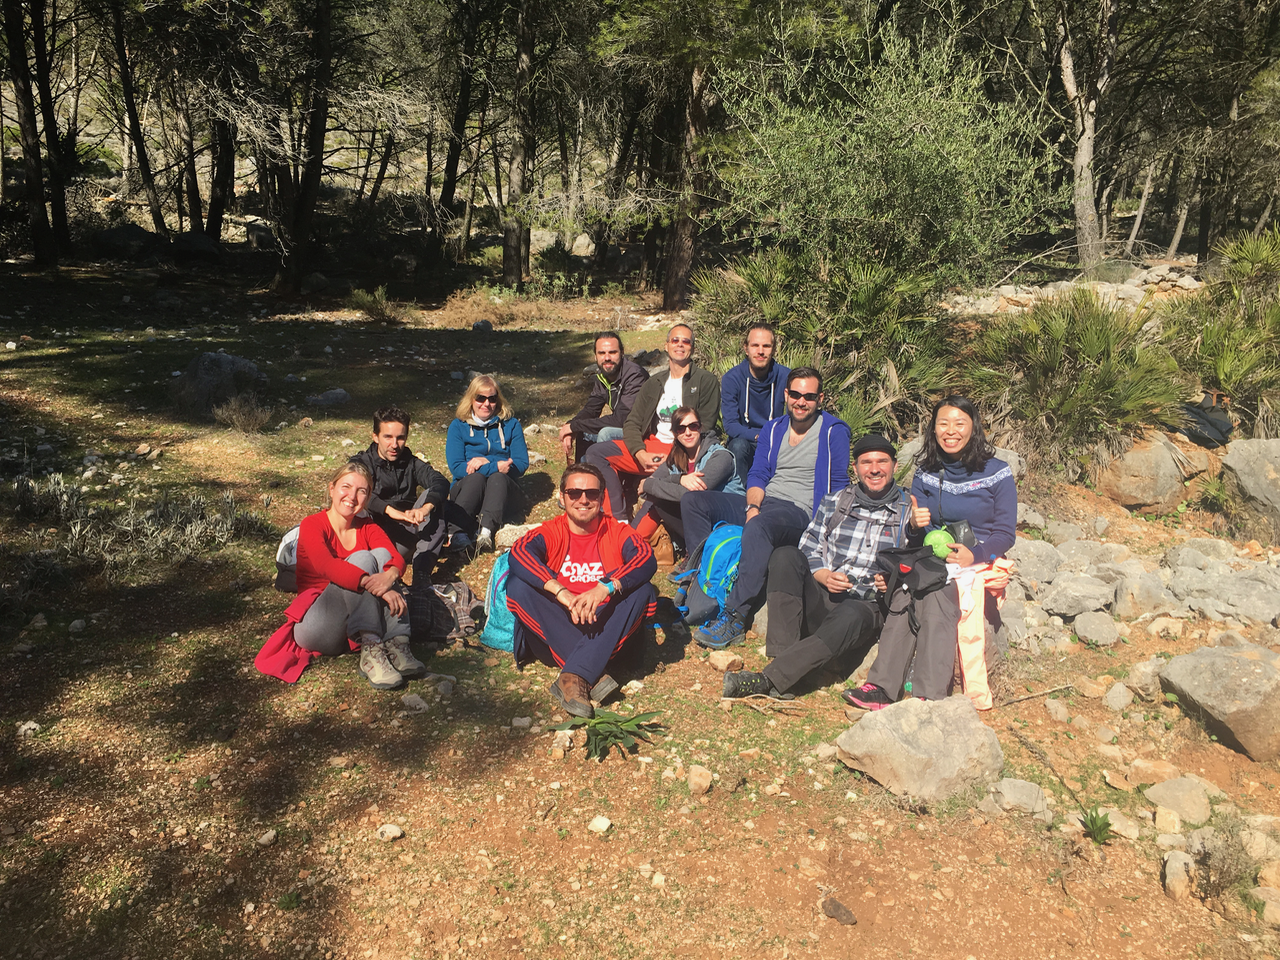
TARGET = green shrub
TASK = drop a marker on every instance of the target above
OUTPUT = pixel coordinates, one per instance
(1228, 336)
(376, 306)
(902, 158)
(862, 325)
(1074, 376)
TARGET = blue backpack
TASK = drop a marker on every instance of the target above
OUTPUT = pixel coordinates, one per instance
(713, 572)
(499, 622)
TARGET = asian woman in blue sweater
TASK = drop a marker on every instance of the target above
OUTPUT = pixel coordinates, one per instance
(958, 477)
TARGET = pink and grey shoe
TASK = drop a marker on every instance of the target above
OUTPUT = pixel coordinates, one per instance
(867, 697)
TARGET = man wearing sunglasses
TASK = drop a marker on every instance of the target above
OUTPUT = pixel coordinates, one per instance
(616, 385)
(751, 394)
(799, 460)
(646, 436)
(579, 588)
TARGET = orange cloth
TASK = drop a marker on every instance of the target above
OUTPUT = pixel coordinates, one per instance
(973, 584)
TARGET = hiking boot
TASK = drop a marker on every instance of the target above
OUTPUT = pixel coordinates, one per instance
(724, 631)
(744, 683)
(403, 660)
(377, 669)
(572, 693)
(603, 688)
(460, 543)
(867, 697)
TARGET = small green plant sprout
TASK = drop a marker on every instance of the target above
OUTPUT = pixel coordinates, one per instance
(607, 730)
(289, 901)
(1097, 826)
(1171, 698)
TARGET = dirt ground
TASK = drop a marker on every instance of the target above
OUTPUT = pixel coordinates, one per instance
(176, 802)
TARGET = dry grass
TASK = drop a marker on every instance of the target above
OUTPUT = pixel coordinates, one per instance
(243, 412)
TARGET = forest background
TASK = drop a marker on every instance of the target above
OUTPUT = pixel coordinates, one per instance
(830, 167)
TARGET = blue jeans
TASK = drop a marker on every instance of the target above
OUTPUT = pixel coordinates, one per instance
(744, 452)
(606, 433)
(778, 524)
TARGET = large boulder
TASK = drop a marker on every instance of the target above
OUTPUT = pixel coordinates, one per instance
(192, 247)
(1074, 594)
(1145, 479)
(1252, 593)
(1143, 594)
(1036, 560)
(925, 749)
(211, 380)
(128, 241)
(1237, 692)
(1252, 469)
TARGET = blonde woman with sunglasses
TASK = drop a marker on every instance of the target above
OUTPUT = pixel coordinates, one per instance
(486, 453)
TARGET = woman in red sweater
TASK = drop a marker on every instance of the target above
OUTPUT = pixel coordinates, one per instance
(354, 565)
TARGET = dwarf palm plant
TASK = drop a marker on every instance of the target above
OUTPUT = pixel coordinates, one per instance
(1077, 376)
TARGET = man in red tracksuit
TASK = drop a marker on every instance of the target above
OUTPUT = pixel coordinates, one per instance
(579, 587)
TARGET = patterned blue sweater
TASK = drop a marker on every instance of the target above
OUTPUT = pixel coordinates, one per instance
(987, 498)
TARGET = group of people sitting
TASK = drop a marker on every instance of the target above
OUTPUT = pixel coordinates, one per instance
(646, 464)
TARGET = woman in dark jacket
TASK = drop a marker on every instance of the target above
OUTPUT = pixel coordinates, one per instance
(697, 461)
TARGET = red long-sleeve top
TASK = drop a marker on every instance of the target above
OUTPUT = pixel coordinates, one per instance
(322, 559)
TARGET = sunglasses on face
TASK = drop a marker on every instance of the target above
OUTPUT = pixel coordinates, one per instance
(692, 427)
(482, 398)
(683, 341)
(811, 397)
(590, 494)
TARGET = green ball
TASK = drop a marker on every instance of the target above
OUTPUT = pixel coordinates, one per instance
(939, 539)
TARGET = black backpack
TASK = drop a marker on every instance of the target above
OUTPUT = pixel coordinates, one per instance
(1208, 422)
(918, 570)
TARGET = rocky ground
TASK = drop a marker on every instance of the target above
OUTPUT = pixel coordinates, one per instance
(159, 797)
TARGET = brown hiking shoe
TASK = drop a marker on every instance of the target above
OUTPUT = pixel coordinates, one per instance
(573, 694)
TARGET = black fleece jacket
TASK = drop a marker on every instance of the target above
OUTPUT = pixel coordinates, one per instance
(396, 483)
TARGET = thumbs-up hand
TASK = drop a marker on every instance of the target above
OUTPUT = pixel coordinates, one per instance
(920, 517)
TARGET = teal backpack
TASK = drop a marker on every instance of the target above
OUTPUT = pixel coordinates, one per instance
(499, 622)
(713, 572)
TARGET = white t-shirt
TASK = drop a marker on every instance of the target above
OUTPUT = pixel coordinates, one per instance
(671, 400)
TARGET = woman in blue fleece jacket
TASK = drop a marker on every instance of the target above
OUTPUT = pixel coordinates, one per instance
(958, 477)
(486, 453)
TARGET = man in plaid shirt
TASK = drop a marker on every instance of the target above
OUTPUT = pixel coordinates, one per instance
(822, 594)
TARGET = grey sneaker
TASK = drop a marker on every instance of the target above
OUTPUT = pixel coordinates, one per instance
(377, 669)
(403, 660)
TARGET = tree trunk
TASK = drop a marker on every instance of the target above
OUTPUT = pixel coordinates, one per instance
(388, 148)
(1089, 245)
(190, 176)
(1083, 95)
(616, 177)
(1142, 208)
(59, 167)
(298, 251)
(127, 95)
(1183, 210)
(512, 227)
(462, 109)
(1264, 218)
(1171, 204)
(42, 240)
(1204, 231)
(684, 228)
(223, 183)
